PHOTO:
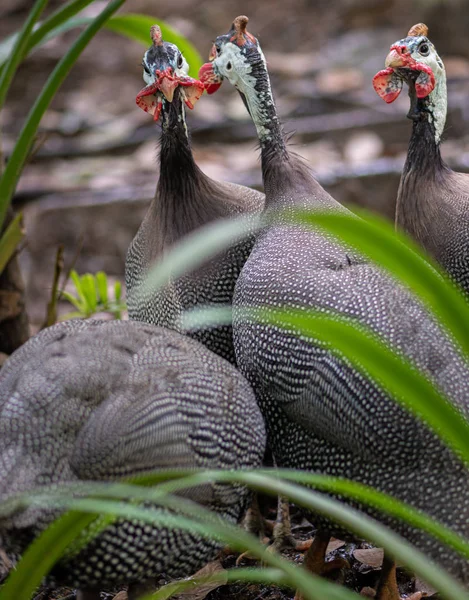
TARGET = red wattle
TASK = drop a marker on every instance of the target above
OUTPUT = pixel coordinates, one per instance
(207, 76)
(425, 82)
(387, 84)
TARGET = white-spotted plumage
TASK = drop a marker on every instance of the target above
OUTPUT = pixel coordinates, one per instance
(100, 401)
(186, 200)
(323, 415)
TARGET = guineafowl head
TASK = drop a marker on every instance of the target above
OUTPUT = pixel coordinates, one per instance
(414, 60)
(238, 57)
(165, 71)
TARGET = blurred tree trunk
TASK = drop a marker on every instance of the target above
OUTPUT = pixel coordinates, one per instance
(14, 324)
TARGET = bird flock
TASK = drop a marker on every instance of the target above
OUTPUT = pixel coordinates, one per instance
(94, 401)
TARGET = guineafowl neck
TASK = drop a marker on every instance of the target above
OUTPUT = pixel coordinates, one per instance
(423, 175)
(428, 116)
(288, 180)
(177, 164)
(285, 175)
(185, 197)
(424, 155)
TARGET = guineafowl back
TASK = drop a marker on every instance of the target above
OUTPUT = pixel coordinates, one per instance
(99, 401)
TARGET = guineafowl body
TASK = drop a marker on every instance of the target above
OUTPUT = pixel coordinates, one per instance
(322, 415)
(433, 200)
(185, 201)
(100, 401)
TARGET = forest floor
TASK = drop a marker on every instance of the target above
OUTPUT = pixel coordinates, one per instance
(361, 574)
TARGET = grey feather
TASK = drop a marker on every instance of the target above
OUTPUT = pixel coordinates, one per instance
(186, 199)
(98, 401)
(323, 415)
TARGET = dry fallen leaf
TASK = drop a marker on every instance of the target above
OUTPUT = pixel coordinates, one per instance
(423, 587)
(334, 545)
(370, 556)
(199, 592)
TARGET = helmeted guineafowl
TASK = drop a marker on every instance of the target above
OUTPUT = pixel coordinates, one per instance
(100, 401)
(321, 414)
(432, 201)
(186, 199)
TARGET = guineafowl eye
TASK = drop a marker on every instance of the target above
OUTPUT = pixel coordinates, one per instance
(180, 61)
(228, 66)
(424, 49)
(146, 69)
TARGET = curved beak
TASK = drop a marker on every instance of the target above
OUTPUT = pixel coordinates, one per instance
(167, 85)
(394, 59)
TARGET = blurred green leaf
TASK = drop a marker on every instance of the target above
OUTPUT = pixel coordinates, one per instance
(393, 373)
(42, 554)
(24, 143)
(195, 249)
(375, 238)
(137, 27)
(367, 353)
(10, 239)
(21, 580)
(208, 524)
(77, 283)
(19, 49)
(80, 306)
(40, 30)
(133, 26)
(89, 290)
(117, 291)
(101, 284)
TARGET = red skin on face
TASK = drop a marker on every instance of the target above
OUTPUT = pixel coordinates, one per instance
(388, 84)
(210, 80)
(166, 82)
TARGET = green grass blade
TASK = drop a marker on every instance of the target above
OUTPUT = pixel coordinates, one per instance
(10, 239)
(133, 26)
(313, 587)
(373, 498)
(101, 284)
(375, 238)
(23, 145)
(349, 518)
(391, 372)
(19, 50)
(267, 576)
(88, 286)
(42, 554)
(118, 292)
(75, 302)
(195, 249)
(78, 286)
(41, 30)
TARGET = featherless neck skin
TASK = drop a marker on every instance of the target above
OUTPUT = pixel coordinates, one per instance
(238, 57)
(287, 179)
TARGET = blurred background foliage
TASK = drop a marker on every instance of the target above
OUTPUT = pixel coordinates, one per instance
(94, 166)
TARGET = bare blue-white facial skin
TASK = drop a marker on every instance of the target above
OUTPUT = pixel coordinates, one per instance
(245, 67)
(164, 70)
(416, 51)
(162, 57)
